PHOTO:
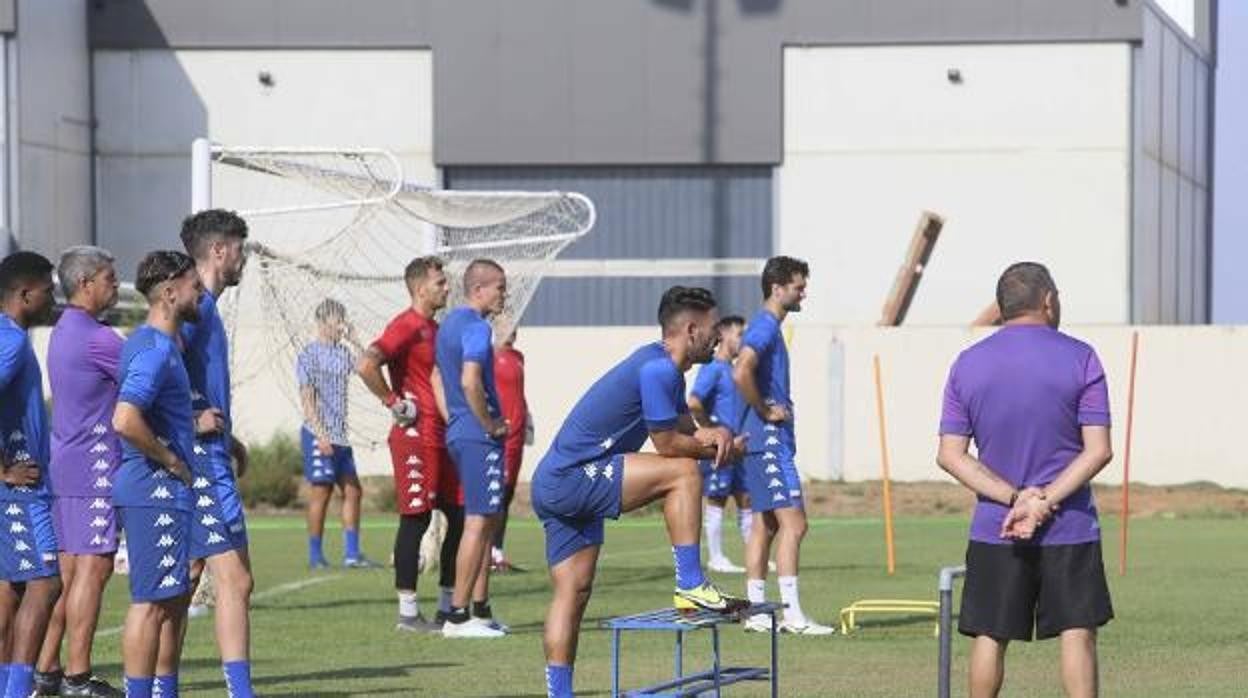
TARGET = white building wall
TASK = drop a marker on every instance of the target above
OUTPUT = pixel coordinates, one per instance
(152, 103)
(1027, 158)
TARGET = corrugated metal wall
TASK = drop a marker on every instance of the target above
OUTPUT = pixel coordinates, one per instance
(688, 213)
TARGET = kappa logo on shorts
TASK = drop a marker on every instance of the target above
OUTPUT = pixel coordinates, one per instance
(777, 497)
(100, 464)
(16, 436)
(236, 527)
(199, 450)
(607, 443)
(21, 455)
(99, 503)
(412, 432)
(17, 527)
(771, 441)
(13, 510)
(769, 456)
(591, 470)
(413, 460)
(161, 492)
(771, 470)
(25, 565)
(161, 474)
(102, 483)
(493, 471)
(99, 447)
(166, 541)
(495, 486)
(609, 471)
(214, 538)
(414, 475)
(168, 581)
(99, 430)
(775, 482)
(162, 521)
(416, 503)
(21, 546)
(318, 473)
(166, 562)
(495, 501)
(209, 520)
(201, 482)
(203, 501)
(317, 463)
(769, 427)
(414, 489)
(99, 522)
(491, 457)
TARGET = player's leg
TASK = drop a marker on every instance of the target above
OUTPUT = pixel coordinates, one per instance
(140, 643)
(35, 571)
(48, 670)
(82, 614)
(471, 568)
(9, 599)
(231, 572)
(29, 625)
(1079, 665)
(513, 455)
(480, 468)
(987, 666)
(412, 528)
(352, 494)
(1073, 602)
(572, 580)
(318, 502)
(450, 550)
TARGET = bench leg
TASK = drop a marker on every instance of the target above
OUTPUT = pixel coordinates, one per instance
(715, 657)
(615, 663)
(775, 674)
(680, 654)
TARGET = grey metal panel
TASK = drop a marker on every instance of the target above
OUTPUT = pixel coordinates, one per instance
(1169, 251)
(1146, 243)
(1184, 277)
(1148, 86)
(1171, 62)
(628, 301)
(133, 24)
(652, 212)
(1201, 262)
(1187, 113)
(8, 16)
(1201, 106)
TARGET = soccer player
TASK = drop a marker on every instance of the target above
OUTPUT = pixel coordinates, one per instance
(83, 358)
(152, 493)
(1036, 403)
(509, 379)
(761, 375)
(423, 475)
(593, 472)
(713, 401)
(322, 370)
(214, 239)
(475, 432)
(29, 576)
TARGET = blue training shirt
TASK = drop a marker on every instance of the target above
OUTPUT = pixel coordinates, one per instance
(23, 420)
(465, 336)
(645, 392)
(718, 394)
(154, 379)
(327, 369)
(208, 365)
(762, 334)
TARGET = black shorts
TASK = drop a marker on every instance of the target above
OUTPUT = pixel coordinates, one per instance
(1012, 589)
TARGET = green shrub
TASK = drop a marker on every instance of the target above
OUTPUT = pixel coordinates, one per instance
(272, 469)
(381, 491)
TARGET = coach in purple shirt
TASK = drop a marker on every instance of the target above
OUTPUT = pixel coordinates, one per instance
(1035, 402)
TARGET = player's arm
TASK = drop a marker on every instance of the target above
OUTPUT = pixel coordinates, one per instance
(1093, 415)
(472, 380)
(312, 413)
(743, 376)
(667, 418)
(954, 457)
(130, 425)
(439, 393)
(369, 370)
(16, 473)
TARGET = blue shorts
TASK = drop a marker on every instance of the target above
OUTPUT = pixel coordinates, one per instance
(157, 543)
(27, 541)
(479, 464)
(771, 477)
(573, 503)
(722, 482)
(319, 470)
(217, 522)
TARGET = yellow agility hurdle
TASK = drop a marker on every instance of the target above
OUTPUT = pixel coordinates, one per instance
(849, 614)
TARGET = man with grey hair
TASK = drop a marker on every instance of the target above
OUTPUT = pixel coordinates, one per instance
(83, 356)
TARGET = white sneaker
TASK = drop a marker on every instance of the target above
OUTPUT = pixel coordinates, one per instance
(807, 627)
(724, 565)
(758, 623)
(473, 628)
(495, 623)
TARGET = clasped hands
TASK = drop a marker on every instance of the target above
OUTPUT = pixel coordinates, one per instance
(1030, 511)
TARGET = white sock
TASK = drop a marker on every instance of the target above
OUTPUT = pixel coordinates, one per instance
(745, 521)
(407, 604)
(788, 595)
(444, 599)
(713, 520)
(756, 590)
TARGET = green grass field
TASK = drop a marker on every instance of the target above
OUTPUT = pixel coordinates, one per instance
(1181, 630)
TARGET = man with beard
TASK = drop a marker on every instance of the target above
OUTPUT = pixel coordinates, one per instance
(761, 375)
(424, 478)
(215, 239)
(593, 472)
(30, 579)
(152, 494)
(83, 359)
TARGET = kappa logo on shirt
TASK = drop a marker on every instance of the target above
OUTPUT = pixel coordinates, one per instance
(214, 538)
(99, 430)
(161, 492)
(13, 510)
(413, 460)
(204, 501)
(199, 450)
(414, 475)
(769, 456)
(99, 522)
(99, 447)
(163, 520)
(493, 471)
(99, 503)
(97, 540)
(160, 474)
(100, 464)
(196, 395)
(412, 432)
(769, 427)
(21, 455)
(166, 541)
(166, 562)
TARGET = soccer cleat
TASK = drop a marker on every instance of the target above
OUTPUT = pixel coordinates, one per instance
(757, 623)
(416, 624)
(709, 597)
(809, 627)
(48, 683)
(319, 563)
(724, 565)
(471, 628)
(93, 687)
(360, 563)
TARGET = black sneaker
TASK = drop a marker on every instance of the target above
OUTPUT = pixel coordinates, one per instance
(93, 687)
(49, 683)
(440, 617)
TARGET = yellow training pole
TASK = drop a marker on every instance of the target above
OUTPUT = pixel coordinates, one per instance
(888, 493)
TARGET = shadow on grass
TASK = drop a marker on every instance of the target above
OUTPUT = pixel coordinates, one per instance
(375, 672)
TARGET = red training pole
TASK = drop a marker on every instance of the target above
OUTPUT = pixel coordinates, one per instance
(1126, 459)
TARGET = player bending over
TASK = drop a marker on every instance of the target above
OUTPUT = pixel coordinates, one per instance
(593, 472)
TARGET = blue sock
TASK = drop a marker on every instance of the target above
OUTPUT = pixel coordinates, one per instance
(139, 687)
(238, 679)
(21, 681)
(688, 565)
(558, 681)
(4, 676)
(165, 686)
(351, 543)
(315, 554)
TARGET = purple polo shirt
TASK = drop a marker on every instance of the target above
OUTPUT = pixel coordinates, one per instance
(1024, 394)
(83, 355)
